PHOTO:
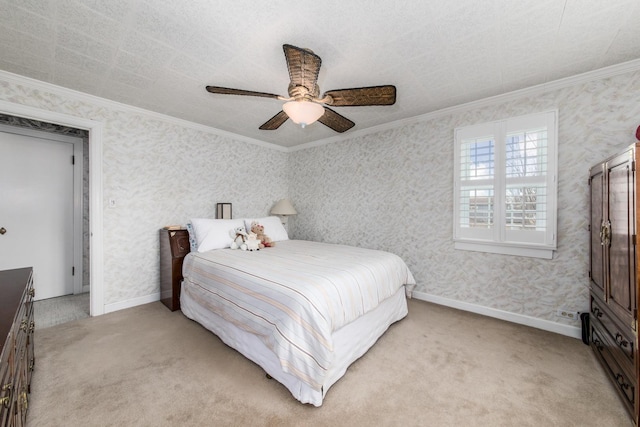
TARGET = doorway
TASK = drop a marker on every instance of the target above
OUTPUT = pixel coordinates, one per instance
(95, 194)
(39, 218)
(45, 192)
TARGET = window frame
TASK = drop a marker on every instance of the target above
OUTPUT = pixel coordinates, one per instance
(496, 238)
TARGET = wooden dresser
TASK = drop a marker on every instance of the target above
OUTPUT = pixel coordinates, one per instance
(174, 246)
(17, 357)
(614, 263)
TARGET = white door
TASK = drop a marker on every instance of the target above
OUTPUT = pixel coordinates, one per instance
(36, 210)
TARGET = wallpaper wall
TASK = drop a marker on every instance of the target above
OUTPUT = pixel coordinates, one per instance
(161, 173)
(393, 190)
(389, 190)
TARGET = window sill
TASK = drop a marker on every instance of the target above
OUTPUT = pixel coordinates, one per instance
(505, 249)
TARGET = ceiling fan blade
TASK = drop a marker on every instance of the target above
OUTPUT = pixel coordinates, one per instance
(229, 91)
(335, 121)
(373, 95)
(275, 122)
(303, 65)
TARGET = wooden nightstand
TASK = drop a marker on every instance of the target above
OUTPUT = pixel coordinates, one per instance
(174, 246)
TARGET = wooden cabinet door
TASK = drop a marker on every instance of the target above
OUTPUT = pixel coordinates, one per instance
(596, 221)
(621, 215)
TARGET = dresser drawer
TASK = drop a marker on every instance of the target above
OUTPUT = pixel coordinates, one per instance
(625, 383)
(6, 384)
(179, 240)
(623, 338)
(17, 329)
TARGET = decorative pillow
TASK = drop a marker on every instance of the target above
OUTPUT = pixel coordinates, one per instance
(272, 227)
(214, 233)
(193, 242)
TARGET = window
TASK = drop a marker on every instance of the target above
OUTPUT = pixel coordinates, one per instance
(505, 186)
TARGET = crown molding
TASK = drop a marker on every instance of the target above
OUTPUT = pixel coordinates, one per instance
(107, 103)
(599, 74)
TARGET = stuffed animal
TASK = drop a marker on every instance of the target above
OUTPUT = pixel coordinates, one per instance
(252, 242)
(239, 236)
(265, 241)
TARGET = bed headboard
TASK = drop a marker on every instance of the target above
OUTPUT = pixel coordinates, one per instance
(174, 246)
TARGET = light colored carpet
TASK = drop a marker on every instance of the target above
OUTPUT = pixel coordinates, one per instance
(147, 366)
(55, 311)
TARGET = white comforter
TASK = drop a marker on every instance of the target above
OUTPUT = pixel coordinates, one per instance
(295, 295)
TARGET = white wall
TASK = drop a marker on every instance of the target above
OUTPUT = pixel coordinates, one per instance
(392, 190)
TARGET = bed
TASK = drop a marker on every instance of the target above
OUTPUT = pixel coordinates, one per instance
(303, 311)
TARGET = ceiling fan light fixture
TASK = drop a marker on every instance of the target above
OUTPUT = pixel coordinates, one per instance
(303, 112)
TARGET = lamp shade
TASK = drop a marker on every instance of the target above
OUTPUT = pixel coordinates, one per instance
(283, 207)
(303, 112)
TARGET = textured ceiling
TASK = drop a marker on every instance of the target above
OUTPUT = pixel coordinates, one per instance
(160, 54)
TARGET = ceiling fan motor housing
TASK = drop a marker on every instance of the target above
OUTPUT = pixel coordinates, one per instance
(302, 92)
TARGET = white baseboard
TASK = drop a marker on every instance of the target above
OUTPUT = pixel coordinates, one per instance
(546, 325)
(108, 308)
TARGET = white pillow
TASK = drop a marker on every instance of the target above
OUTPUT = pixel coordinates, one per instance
(214, 233)
(272, 227)
(193, 242)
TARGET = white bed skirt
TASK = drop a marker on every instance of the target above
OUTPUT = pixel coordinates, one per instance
(350, 341)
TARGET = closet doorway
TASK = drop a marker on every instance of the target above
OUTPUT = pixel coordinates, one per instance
(91, 131)
(41, 217)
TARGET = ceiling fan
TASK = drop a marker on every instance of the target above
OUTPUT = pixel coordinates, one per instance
(304, 106)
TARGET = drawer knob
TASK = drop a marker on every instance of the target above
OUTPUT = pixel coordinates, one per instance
(598, 344)
(25, 401)
(23, 326)
(620, 340)
(621, 381)
(6, 399)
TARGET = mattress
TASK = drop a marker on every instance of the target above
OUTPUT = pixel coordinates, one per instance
(297, 300)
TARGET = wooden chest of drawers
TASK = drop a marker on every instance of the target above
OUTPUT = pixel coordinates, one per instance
(17, 356)
(614, 271)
